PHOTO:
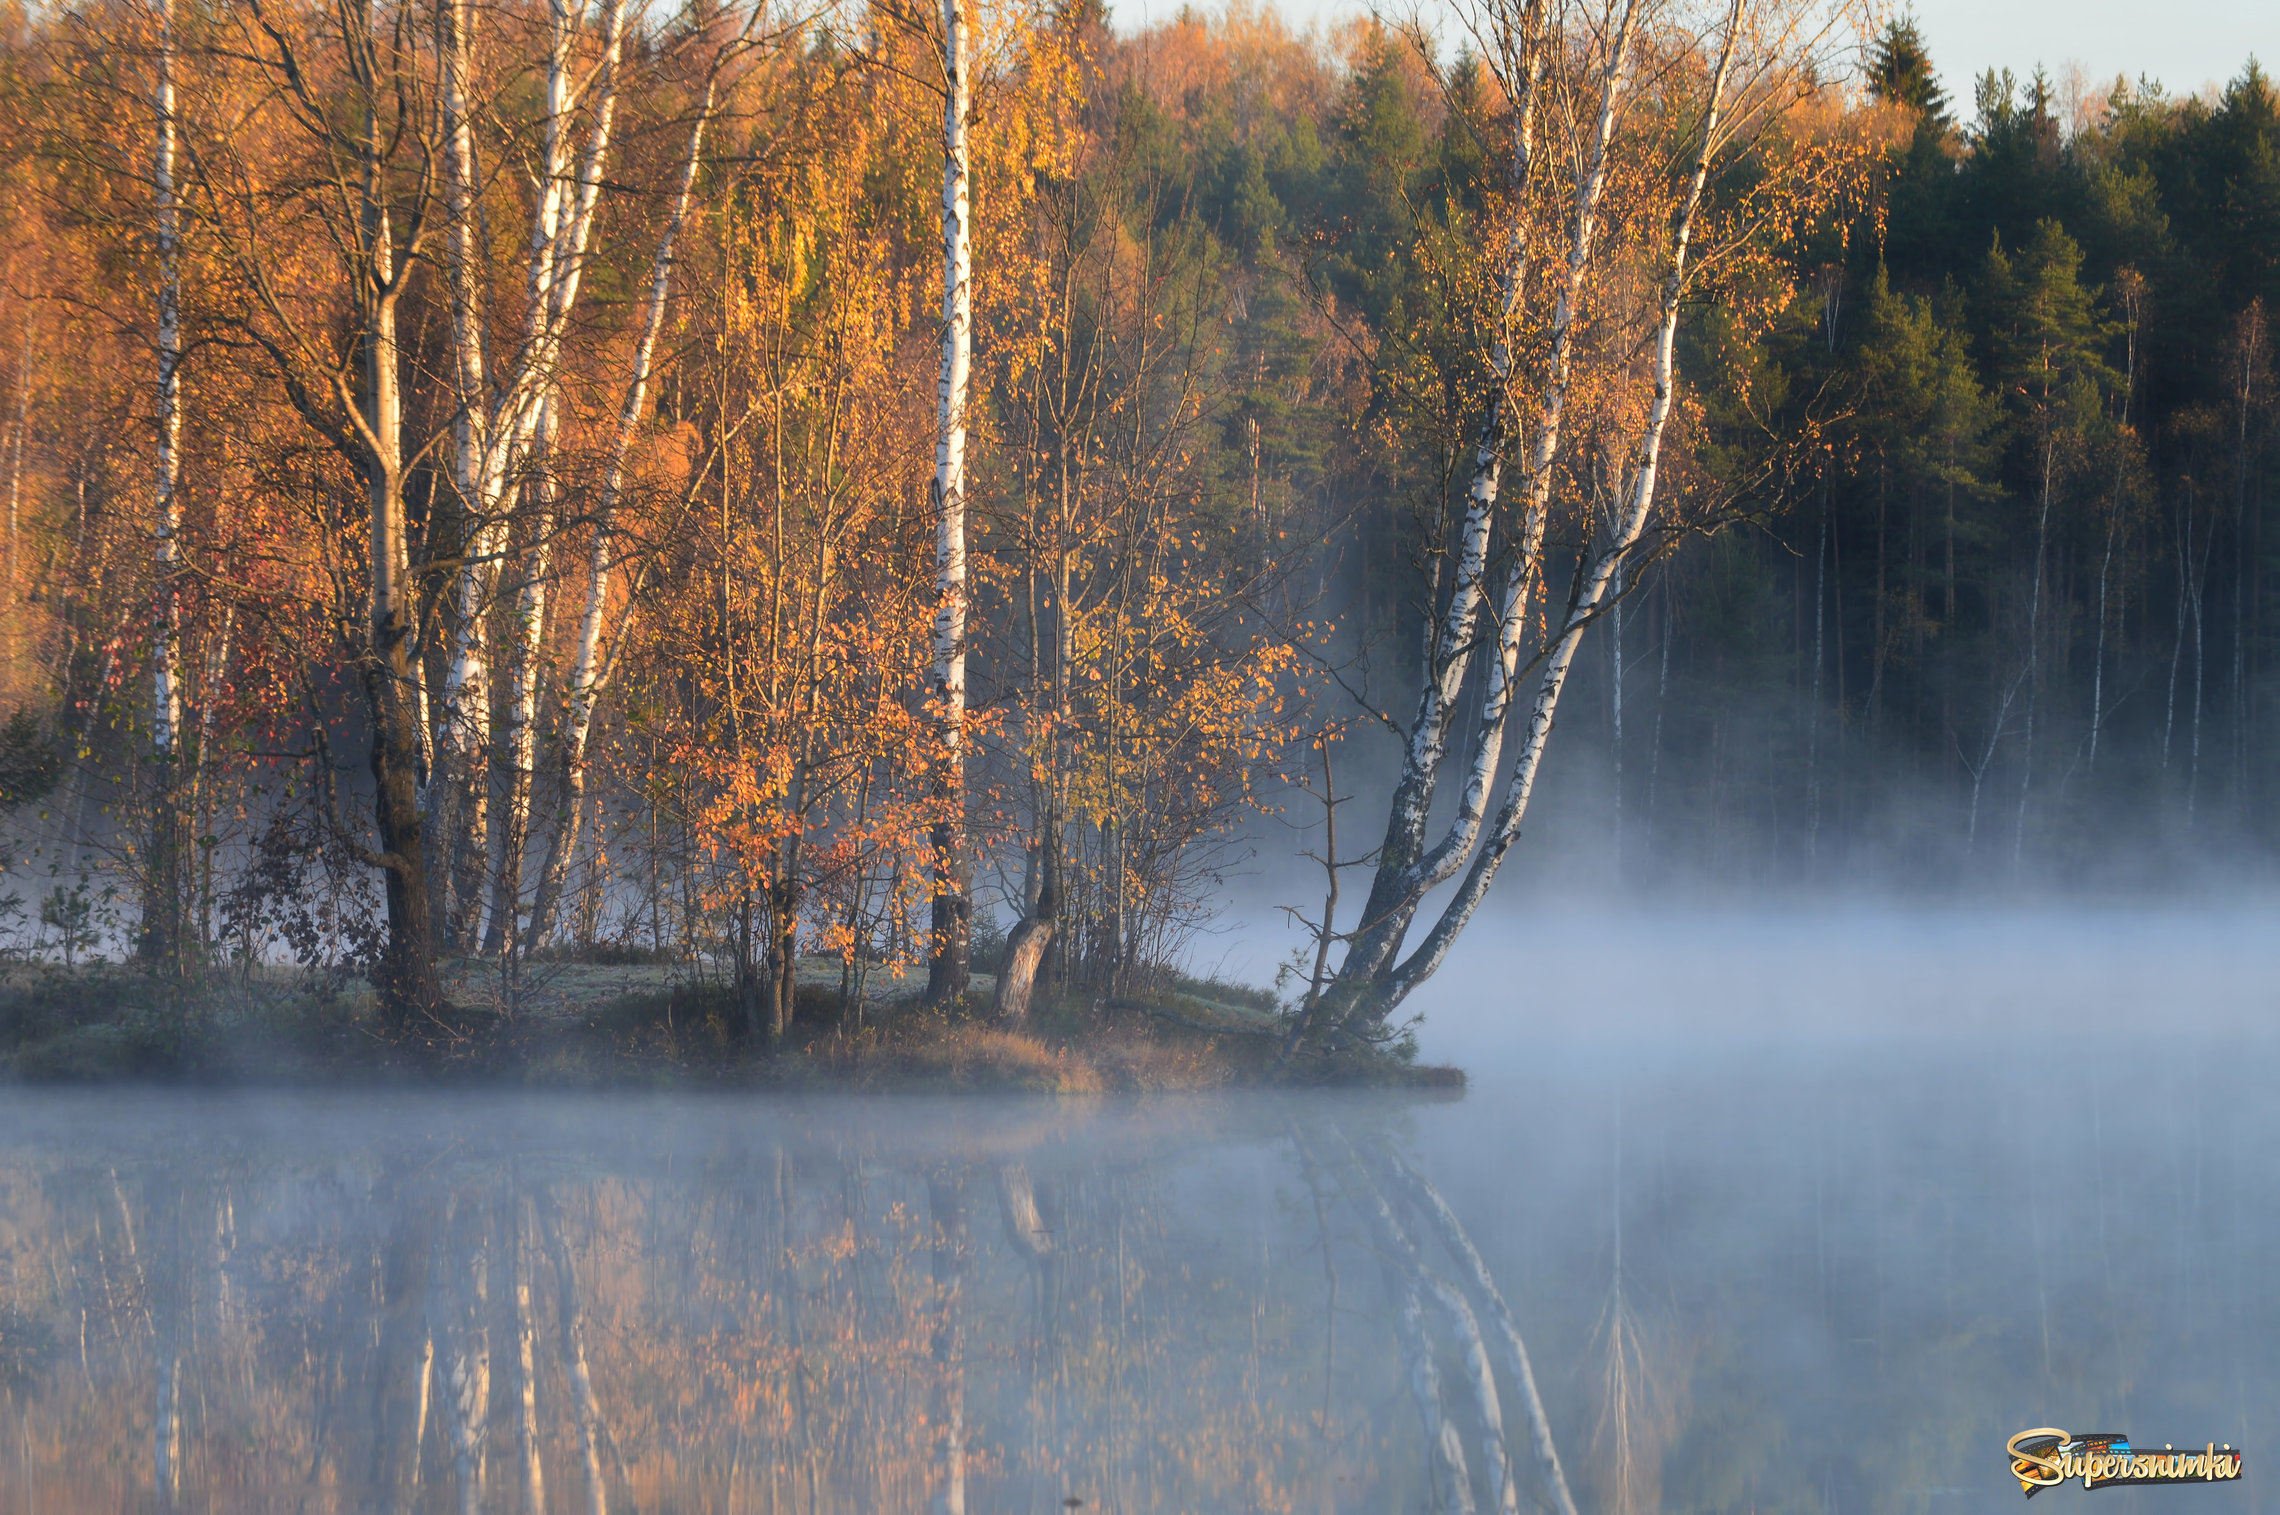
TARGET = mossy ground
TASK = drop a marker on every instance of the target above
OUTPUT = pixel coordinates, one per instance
(588, 1024)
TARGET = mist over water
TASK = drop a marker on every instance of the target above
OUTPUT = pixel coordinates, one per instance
(1792, 1214)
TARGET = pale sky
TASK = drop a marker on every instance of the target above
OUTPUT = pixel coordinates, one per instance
(2185, 44)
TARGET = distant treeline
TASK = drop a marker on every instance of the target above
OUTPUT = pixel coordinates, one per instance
(2017, 612)
(1994, 591)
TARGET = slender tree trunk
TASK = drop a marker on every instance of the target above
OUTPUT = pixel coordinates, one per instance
(785, 898)
(1033, 937)
(2251, 344)
(203, 792)
(501, 414)
(2098, 652)
(1404, 871)
(520, 747)
(2184, 554)
(1820, 662)
(2200, 679)
(406, 977)
(1325, 930)
(2132, 290)
(1396, 983)
(590, 664)
(1615, 674)
(950, 951)
(16, 455)
(2034, 659)
(162, 898)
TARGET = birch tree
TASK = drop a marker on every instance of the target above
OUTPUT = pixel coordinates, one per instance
(501, 411)
(162, 900)
(593, 662)
(1612, 113)
(950, 953)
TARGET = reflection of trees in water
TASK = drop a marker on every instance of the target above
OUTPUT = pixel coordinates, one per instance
(793, 1324)
(1266, 1307)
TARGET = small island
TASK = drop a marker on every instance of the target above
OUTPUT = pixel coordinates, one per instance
(627, 1019)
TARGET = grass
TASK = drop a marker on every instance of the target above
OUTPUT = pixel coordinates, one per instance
(644, 1023)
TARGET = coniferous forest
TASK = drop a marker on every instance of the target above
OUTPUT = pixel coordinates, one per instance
(911, 488)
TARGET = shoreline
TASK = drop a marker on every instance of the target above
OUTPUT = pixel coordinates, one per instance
(642, 1028)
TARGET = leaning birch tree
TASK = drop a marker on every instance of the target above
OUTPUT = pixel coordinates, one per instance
(1615, 211)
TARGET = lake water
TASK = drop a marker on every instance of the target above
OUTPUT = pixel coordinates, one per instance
(1785, 1221)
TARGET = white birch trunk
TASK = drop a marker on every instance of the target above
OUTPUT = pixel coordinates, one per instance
(1448, 651)
(162, 899)
(461, 719)
(1592, 592)
(166, 690)
(947, 973)
(1404, 877)
(500, 416)
(2034, 659)
(521, 736)
(590, 668)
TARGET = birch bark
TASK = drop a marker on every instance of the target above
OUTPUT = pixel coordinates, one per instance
(520, 744)
(590, 665)
(950, 956)
(162, 900)
(1591, 591)
(501, 413)
(462, 717)
(1405, 871)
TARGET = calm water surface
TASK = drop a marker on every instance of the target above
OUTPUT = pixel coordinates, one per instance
(1750, 1272)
